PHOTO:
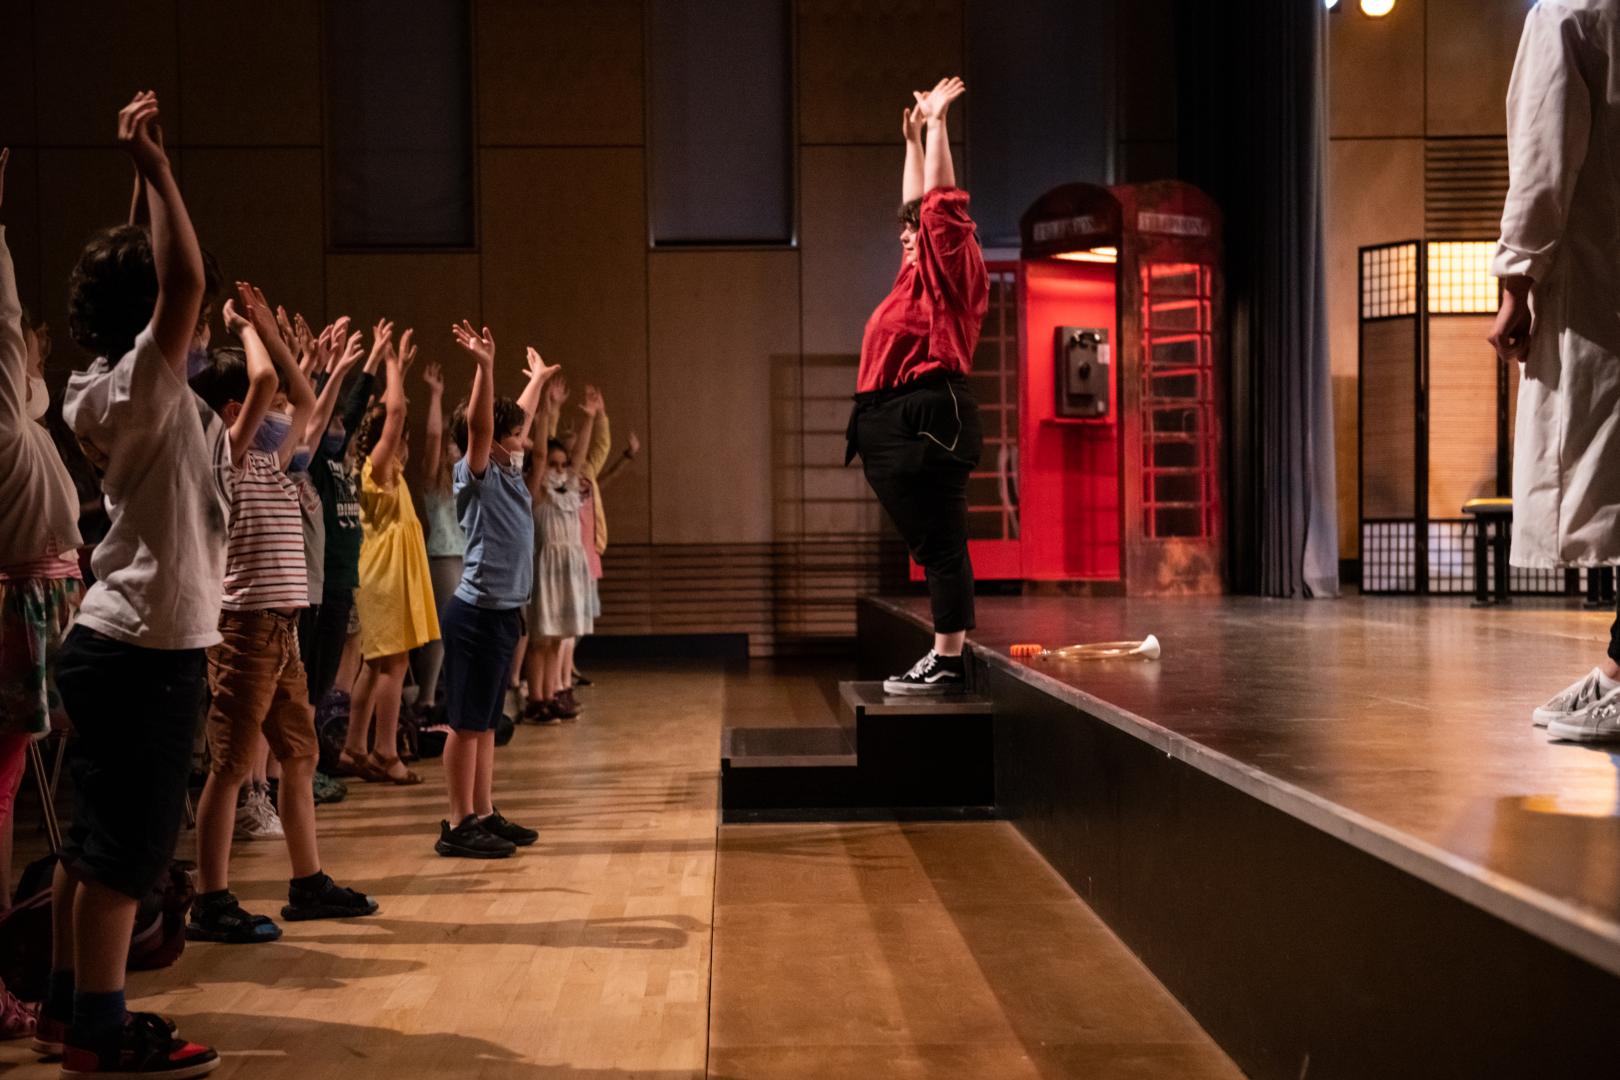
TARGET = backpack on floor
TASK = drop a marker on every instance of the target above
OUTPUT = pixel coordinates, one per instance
(332, 729)
(505, 727)
(160, 920)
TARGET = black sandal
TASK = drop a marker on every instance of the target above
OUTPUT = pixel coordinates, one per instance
(224, 921)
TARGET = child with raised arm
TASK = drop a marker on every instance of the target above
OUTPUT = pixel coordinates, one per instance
(255, 671)
(446, 543)
(132, 670)
(396, 593)
(484, 619)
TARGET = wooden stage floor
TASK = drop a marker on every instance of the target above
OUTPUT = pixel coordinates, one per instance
(640, 939)
(1401, 725)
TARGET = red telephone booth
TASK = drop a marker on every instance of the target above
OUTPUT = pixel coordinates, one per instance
(1119, 422)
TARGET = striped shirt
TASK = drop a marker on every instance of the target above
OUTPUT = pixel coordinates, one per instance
(264, 557)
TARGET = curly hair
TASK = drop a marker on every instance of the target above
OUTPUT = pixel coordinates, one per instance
(371, 426)
(508, 421)
(113, 290)
(911, 213)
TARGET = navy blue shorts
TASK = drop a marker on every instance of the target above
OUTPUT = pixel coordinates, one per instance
(478, 647)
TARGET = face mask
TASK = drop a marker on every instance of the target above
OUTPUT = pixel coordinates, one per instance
(39, 399)
(557, 478)
(299, 461)
(514, 460)
(332, 441)
(273, 431)
(196, 360)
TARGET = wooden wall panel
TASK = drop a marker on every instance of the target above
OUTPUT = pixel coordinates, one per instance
(1462, 413)
(80, 191)
(259, 212)
(250, 73)
(18, 123)
(850, 239)
(860, 61)
(1377, 71)
(1374, 195)
(92, 58)
(1471, 45)
(721, 320)
(559, 72)
(564, 263)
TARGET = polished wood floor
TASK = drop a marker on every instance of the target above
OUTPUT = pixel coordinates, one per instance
(637, 939)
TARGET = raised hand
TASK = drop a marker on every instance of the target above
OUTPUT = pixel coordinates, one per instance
(592, 405)
(257, 310)
(406, 353)
(635, 445)
(284, 325)
(381, 336)
(557, 391)
(481, 345)
(911, 121)
(140, 135)
(234, 320)
(351, 353)
(934, 104)
(433, 378)
(535, 369)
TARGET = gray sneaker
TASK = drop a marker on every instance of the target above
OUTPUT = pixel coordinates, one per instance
(1597, 722)
(1572, 699)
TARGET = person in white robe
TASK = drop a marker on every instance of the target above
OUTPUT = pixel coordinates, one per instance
(1559, 262)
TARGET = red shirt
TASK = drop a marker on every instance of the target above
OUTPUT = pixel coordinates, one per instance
(931, 318)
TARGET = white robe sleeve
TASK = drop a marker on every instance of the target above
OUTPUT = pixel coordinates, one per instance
(1549, 118)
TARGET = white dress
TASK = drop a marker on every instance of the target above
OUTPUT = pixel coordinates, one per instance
(561, 605)
(1561, 227)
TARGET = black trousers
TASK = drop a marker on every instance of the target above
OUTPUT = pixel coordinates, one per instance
(918, 443)
(134, 714)
(322, 632)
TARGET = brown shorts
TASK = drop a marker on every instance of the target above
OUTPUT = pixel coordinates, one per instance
(257, 680)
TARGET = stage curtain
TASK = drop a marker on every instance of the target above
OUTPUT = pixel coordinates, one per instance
(1251, 130)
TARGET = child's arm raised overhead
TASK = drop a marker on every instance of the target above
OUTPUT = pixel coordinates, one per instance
(385, 455)
(539, 375)
(300, 395)
(326, 401)
(261, 383)
(433, 431)
(174, 243)
(481, 402)
(616, 466)
(591, 407)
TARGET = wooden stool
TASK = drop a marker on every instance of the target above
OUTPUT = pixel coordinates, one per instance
(1493, 522)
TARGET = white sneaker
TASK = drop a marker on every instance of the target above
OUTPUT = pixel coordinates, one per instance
(1572, 699)
(1597, 722)
(256, 819)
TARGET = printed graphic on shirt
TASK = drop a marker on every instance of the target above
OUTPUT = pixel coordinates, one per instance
(347, 504)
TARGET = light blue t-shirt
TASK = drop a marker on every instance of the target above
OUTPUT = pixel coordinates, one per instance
(497, 514)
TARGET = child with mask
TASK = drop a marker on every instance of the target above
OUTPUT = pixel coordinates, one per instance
(484, 618)
(255, 671)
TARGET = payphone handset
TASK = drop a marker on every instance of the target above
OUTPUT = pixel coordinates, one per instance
(1084, 373)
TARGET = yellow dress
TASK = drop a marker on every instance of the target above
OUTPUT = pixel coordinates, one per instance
(395, 600)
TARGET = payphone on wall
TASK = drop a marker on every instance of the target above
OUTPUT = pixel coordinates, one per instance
(1084, 366)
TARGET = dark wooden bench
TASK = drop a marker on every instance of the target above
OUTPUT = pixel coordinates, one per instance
(1493, 529)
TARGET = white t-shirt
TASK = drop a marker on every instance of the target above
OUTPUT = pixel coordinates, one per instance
(39, 508)
(161, 568)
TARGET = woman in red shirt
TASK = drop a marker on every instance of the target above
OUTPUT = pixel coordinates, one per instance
(915, 423)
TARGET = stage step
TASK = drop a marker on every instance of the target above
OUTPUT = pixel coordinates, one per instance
(912, 757)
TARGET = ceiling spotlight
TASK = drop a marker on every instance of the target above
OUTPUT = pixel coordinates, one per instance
(1332, 5)
(1377, 8)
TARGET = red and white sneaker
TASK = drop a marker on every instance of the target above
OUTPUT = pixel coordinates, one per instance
(144, 1046)
(49, 1035)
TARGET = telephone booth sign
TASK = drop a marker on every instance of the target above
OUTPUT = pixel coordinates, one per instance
(1119, 420)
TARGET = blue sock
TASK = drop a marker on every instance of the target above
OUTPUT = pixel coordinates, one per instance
(59, 996)
(95, 1016)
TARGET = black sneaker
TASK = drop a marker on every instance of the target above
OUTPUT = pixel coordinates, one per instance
(933, 674)
(219, 917)
(496, 825)
(470, 840)
(328, 900)
(144, 1046)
